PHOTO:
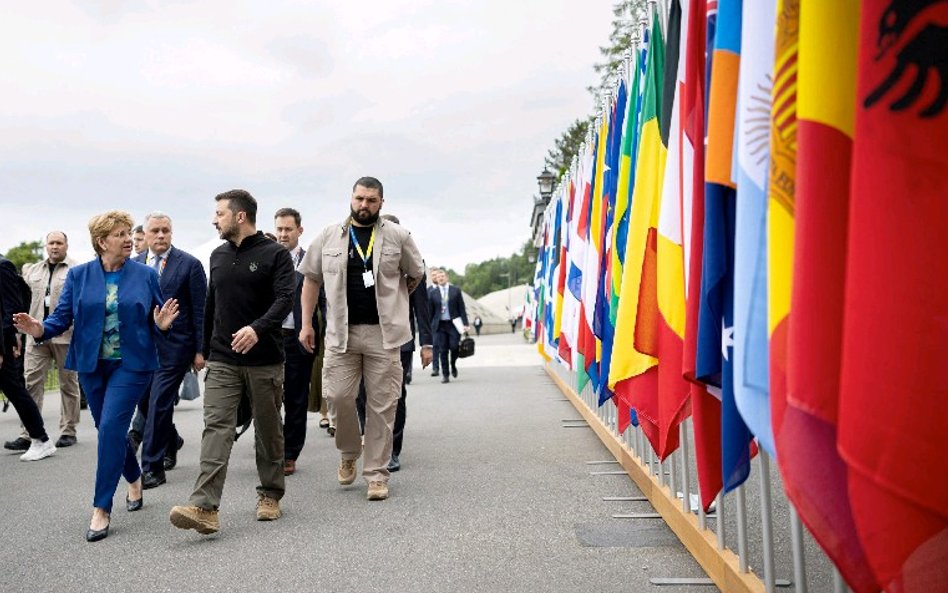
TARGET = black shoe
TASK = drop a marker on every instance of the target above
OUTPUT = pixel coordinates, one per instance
(134, 505)
(454, 373)
(18, 444)
(83, 404)
(135, 438)
(152, 479)
(407, 378)
(94, 536)
(171, 455)
(445, 379)
(434, 373)
(66, 440)
(332, 431)
(394, 464)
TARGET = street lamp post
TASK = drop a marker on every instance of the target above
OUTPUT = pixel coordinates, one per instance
(545, 182)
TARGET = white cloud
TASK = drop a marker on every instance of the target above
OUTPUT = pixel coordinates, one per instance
(162, 105)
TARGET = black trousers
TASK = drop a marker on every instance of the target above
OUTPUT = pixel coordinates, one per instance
(297, 373)
(157, 407)
(398, 431)
(13, 386)
(447, 342)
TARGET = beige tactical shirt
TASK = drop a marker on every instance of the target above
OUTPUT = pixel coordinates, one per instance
(396, 265)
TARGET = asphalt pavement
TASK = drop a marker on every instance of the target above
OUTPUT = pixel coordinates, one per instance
(494, 495)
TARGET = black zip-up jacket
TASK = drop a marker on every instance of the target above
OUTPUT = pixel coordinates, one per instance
(249, 285)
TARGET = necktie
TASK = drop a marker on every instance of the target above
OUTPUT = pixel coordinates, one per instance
(156, 263)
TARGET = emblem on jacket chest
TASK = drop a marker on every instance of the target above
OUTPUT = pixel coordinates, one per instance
(253, 266)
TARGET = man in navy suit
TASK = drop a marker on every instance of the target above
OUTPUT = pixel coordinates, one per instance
(181, 277)
(298, 369)
(447, 304)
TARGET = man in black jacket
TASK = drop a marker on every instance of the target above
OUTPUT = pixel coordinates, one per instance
(11, 363)
(251, 289)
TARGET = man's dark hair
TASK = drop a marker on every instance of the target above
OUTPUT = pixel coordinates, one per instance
(63, 233)
(138, 229)
(288, 212)
(240, 200)
(368, 183)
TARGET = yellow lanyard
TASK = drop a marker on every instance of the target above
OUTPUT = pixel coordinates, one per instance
(365, 256)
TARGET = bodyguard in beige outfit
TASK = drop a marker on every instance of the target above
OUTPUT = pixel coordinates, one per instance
(368, 267)
(46, 279)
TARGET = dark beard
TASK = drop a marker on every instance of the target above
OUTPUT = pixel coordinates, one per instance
(366, 220)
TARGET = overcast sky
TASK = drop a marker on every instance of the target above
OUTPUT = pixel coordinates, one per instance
(162, 105)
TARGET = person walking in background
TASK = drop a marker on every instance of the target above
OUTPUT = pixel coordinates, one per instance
(181, 277)
(46, 279)
(436, 352)
(447, 305)
(420, 322)
(298, 369)
(116, 308)
(249, 295)
(138, 241)
(14, 300)
(369, 267)
(477, 324)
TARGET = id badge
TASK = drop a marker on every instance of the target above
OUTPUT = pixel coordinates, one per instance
(367, 279)
(46, 301)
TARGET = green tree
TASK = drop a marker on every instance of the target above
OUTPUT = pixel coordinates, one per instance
(628, 15)
(560, 157)
(27, 252)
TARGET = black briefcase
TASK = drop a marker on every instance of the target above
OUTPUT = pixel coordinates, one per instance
(466, 347)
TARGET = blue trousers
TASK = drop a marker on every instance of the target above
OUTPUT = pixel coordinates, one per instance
(113, 393)
(158, 409)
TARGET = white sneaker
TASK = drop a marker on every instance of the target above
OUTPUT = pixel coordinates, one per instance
(38, 450)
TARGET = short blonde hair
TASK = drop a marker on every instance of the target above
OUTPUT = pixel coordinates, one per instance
(102, 225)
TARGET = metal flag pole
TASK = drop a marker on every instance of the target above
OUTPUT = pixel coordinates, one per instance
(685, 466)
(767, 523)
(719, 519)
(796, 542)
(741, 528)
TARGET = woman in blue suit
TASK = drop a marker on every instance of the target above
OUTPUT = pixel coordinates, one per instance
(116, 306)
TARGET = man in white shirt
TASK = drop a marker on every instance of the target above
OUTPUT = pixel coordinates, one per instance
(298, 369)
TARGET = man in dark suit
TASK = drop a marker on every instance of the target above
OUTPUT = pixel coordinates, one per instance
(446, 305)
(419, 319)
(14, 300)
(181, 276)
(298, 369)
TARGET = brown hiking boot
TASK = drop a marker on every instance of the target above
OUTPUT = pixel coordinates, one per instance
(377, 491)
(268, 509)
(347, 471)
(191, 517)
(289, 467)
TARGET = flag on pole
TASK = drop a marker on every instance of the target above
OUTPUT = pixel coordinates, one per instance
(815, 476)
(716, 316)
(751, 381)
(568, 330)
(591, 269)
(780, 200)
(604, 300)
(893, 391)
(628, 361)
(705, 408)
(677, 195)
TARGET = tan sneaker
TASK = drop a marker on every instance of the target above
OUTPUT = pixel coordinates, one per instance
(377, 491)
(191, 517)
(347, 471)
(268, 509)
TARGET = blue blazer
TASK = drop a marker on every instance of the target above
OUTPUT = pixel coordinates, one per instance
(182, 278)
(82, 304)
